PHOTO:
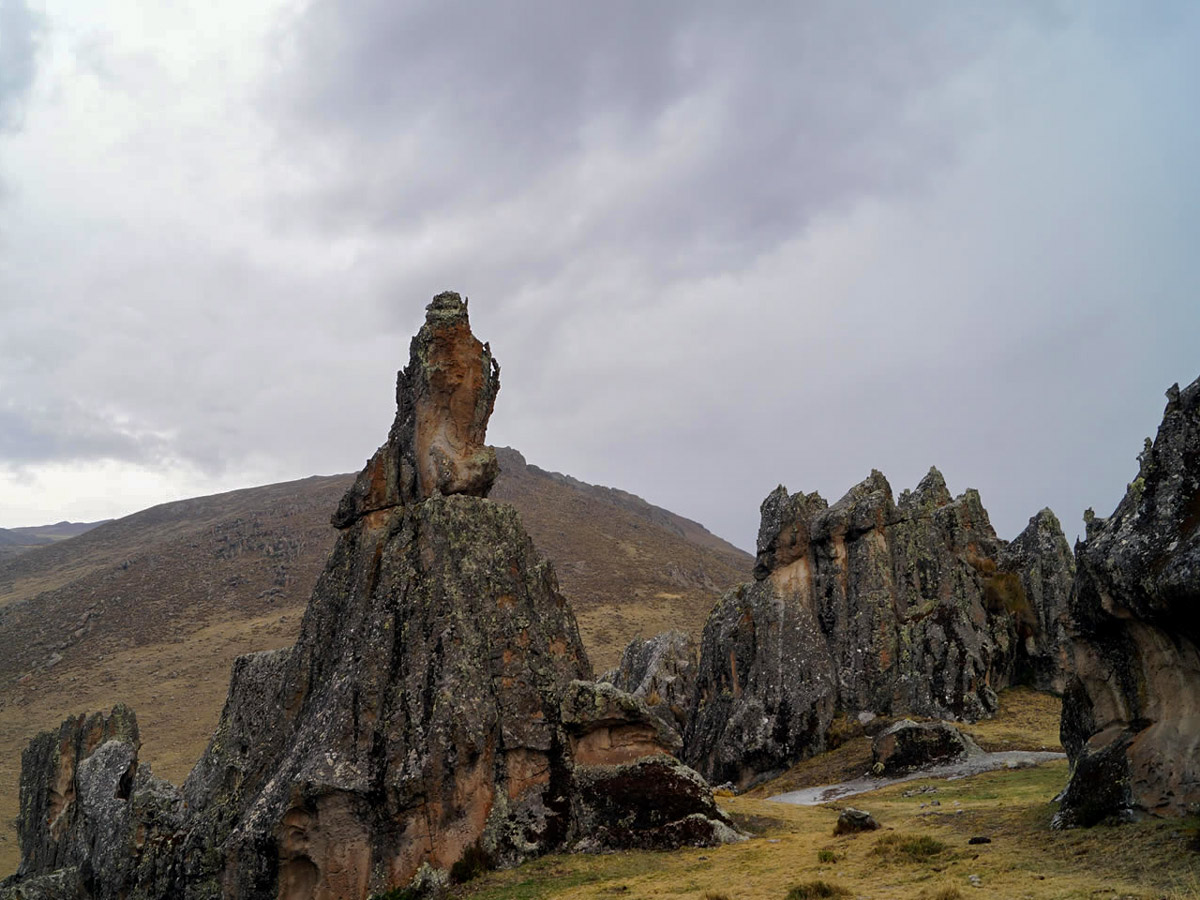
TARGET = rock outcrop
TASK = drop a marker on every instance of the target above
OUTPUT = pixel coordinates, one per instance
(418, 719)
(1131, 713)
(662, 672)
(893, 607)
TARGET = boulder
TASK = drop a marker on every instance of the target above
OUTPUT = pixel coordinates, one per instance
(1131, 711)
(653, 803)
(870, 606)
(607, 726)
(854, 821)
(662, 672)
(909, 745)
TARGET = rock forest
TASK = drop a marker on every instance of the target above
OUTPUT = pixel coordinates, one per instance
(438, 728)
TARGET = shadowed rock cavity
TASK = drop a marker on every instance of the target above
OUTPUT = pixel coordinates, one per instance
(872, 605)
(1131, 713)
(419, 715)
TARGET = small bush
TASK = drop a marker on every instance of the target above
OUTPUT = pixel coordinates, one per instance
(946, 893)
(812, 890)
(713, 895)
(827, 856)
(473, 863)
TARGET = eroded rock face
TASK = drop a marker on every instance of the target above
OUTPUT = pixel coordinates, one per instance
(444, 398)
(1036, 573)
(662, 672)
(1131, 714)
(869, 605)
(436, 702)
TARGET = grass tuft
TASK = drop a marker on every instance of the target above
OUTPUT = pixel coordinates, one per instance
(945, 893)
(920, 848)
(827, 856)
(812, 890)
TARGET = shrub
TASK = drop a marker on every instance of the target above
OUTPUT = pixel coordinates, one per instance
(812, 890)
(827, 856)
(473, 863)
(915, 849)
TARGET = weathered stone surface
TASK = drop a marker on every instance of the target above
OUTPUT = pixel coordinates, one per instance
(607, 726)
(871, 605)
(661, 671)
(1131, 714)
(853, 821)
(1036, 572)
(444, 398)
(420, 715)
(909, 745)
(654, 803)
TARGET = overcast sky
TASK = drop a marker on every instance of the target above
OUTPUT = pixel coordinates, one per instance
(714, 246)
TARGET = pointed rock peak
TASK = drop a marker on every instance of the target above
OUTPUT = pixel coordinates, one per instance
(931, 491)
(444, 398)
(784, 530)
(874, 484)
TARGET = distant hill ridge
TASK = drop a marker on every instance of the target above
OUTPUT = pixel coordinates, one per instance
(153, 607)
(18, 540)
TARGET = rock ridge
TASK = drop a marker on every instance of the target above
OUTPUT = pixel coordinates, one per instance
(872, 605)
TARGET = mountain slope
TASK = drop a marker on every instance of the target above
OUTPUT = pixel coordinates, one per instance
(151, 609)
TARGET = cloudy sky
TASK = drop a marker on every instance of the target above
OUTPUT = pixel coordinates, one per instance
(714, 246)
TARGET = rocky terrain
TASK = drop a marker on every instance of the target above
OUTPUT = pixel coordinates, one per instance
(873, 606)
(1131, 713)
(436, 708)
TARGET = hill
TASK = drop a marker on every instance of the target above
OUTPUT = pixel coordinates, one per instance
(151, 609)
(18, 540)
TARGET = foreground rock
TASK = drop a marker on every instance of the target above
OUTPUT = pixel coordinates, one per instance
(1131, 714)
(908, 745)
(871, 605)
(431, 708)
(854, 821)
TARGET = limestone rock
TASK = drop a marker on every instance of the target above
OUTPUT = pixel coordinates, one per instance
(909, 745)
(444, 398)
(1131, 713)
(661, 671)
(870, 605)
(1036, 572)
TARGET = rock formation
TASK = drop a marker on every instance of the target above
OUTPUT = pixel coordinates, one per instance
(869, 605)
(662, 672)
(1131, 713)
(1035, 574)
(417, 719)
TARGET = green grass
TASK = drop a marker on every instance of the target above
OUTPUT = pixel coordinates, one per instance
(918, 848)
(826, 855)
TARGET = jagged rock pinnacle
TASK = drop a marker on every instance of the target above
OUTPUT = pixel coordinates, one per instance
(444, 398)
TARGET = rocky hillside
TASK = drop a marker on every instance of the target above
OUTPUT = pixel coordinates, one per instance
(151, 609)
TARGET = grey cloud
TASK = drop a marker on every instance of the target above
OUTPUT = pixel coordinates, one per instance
(19, 28)
(70, 432)
(746, 121)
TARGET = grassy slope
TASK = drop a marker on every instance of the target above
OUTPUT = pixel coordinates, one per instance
(152, 609)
